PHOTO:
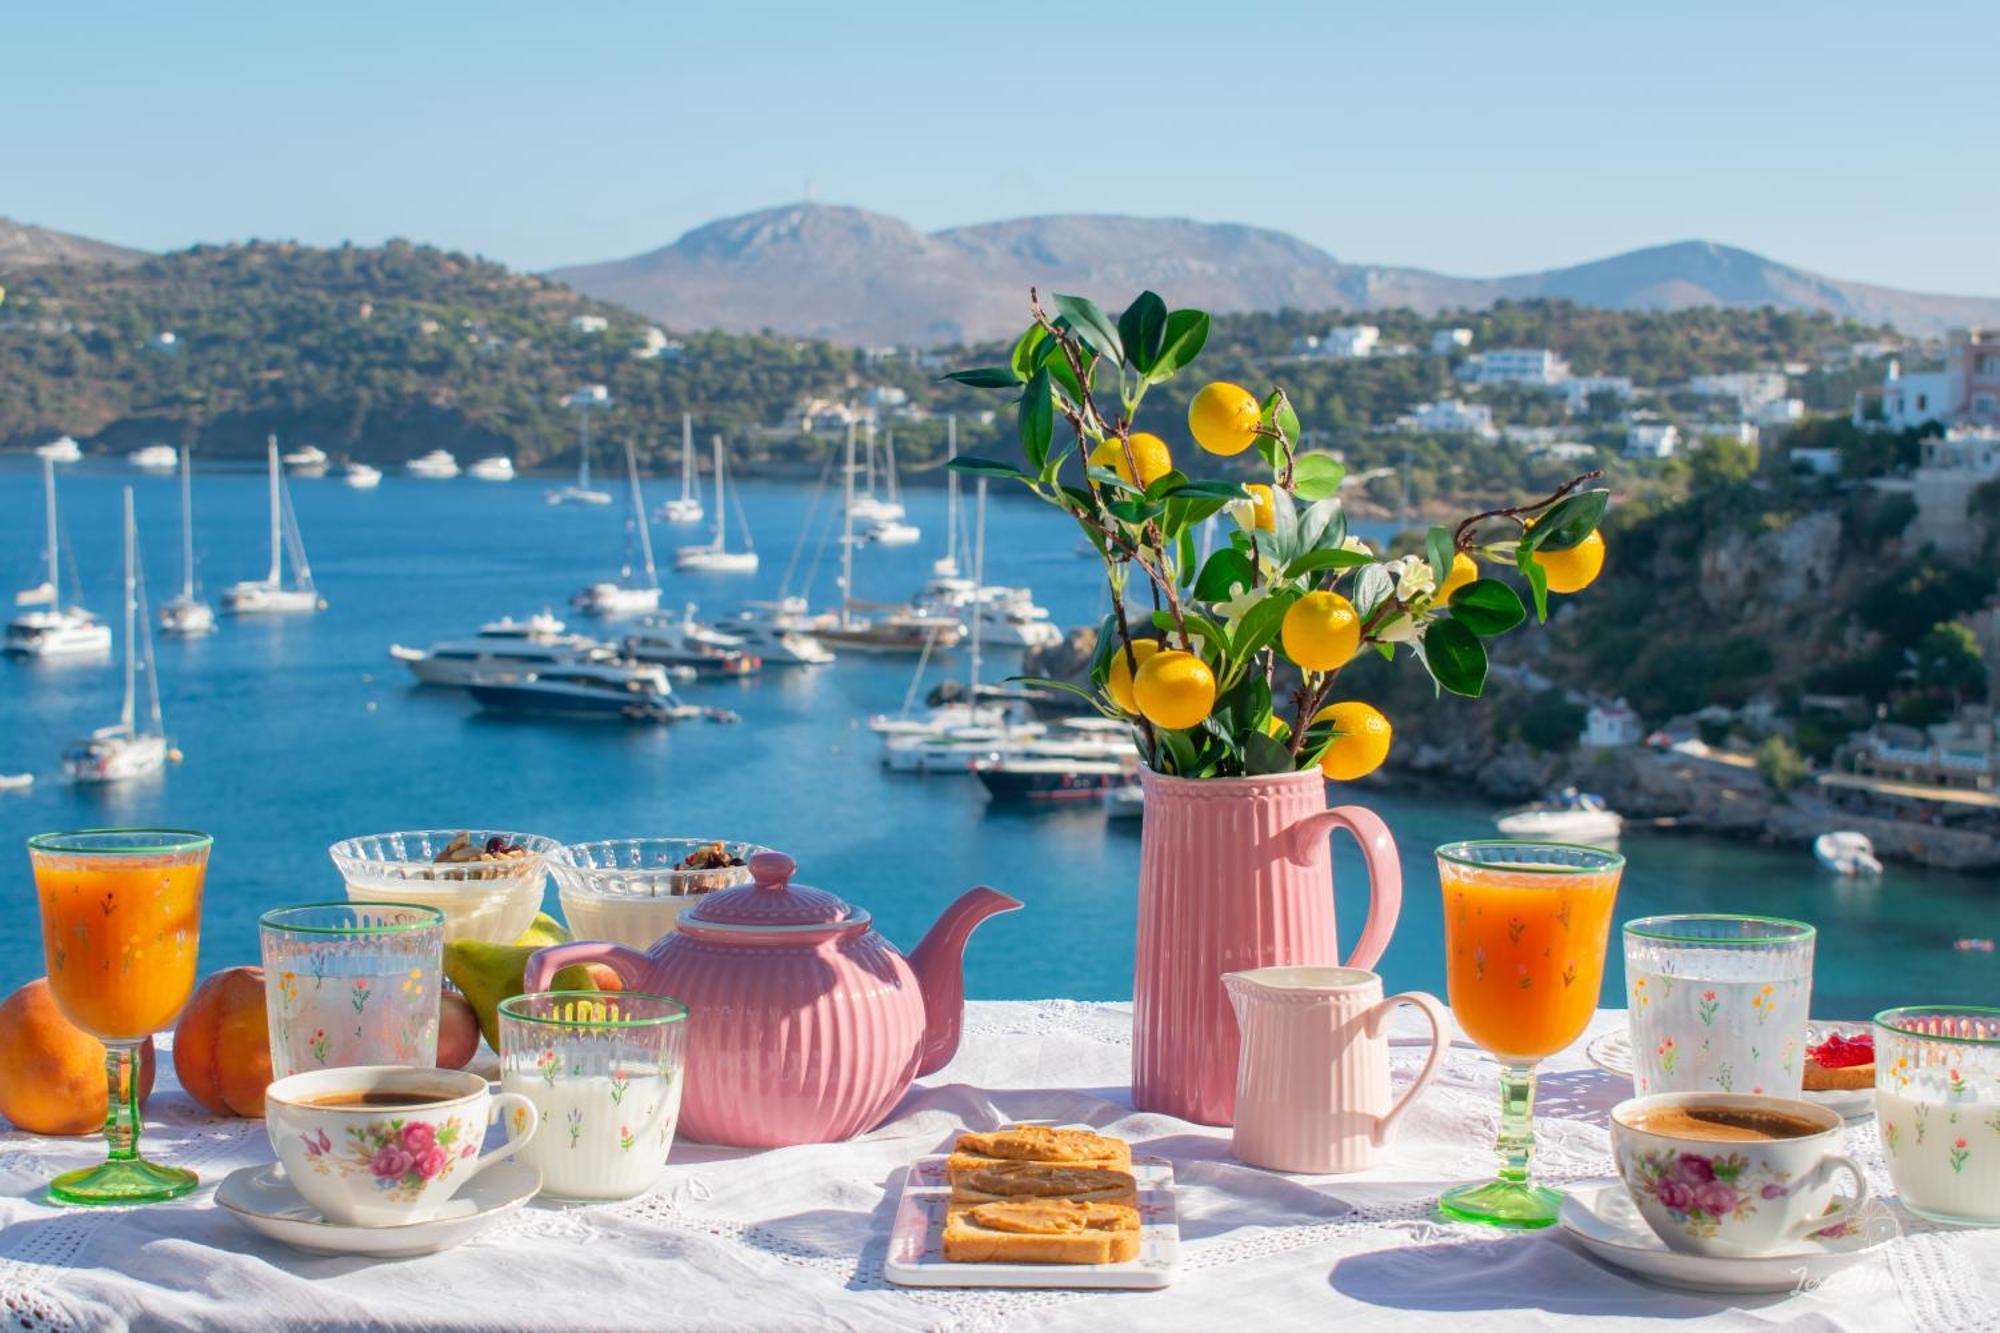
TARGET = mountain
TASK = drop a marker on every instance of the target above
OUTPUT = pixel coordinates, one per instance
(824, 271)
(23, 246)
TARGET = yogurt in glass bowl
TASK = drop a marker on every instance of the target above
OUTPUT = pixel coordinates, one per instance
(487, 882)
(631, 891)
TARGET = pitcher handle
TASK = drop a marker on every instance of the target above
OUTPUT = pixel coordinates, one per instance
(1378, 1018)
(1385, 871)
(543, 964)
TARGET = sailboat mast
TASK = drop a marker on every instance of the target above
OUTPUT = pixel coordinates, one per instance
(131, 616)
(721, 542)
(49, 514)
(687, 457)
(583, 452)
(187, 528)
(950, 492)
(846, 530)
(639, 515)
(889, 461)
(277, 574)
(870, 457)
(978, 588)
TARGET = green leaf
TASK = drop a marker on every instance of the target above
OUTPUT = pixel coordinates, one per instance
(1035, 419)
(1185, 554)
(1313, 524)
(1262, 754)
(1111, 481)
(1262, 624)
(1179, 749)
(1107, 643)
(1226, 570)
(1327, 558)
(1068, 687)
(1283, 537)
(1317, 476)
(1025, 361)
(1134, 511)
(1567, 522)
(1187, 331)
(1143, 330)
(1214, 638)
(973, 465)
(1225, 491)
(1196, 511)
(1487, 607)
(1372, 587)
(1091, 325)
(1538, 579)
(1456, 659)
(1166, 484)
(1051, 355)
(1438, 549)
(985, 377)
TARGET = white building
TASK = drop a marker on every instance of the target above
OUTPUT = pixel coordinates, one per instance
(1780, 412)
(1611, 726)
(1750, 388)
(1450, 416)
(1446, 341)
(884, 395)
(1577, 389)
(591, 395)
(1515, 365)
(1736, 432)
(1652, 439)
(1567, 451)
(589, 323)
(654, 344)
(1965, 392)
(1350, 341)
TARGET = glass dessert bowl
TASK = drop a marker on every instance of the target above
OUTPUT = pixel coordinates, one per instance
(487, 882)
(631, 891)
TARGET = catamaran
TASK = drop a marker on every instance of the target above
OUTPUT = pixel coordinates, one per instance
(715, 557)
(583, 493)
(627, 596)
(687, 508)
(123, 750)
(56, 630)
(187, 616)
(269, 595)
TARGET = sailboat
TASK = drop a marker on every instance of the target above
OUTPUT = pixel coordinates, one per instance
(583, 493)
(715, 557)
(898, 630)
(187, 616)
(1005, 617)
(625, 597)
(868, 506)
(687, 509)
(122, 750)
(269, 595)
(56, 630)
(889, 529)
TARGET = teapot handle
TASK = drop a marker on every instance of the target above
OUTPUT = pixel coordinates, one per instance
(543, 964)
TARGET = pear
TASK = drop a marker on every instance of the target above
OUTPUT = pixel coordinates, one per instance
(486, 974)
(545, 929)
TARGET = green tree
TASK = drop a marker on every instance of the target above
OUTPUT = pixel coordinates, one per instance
(1781, 766)
(1949, 661)
(1551, 722)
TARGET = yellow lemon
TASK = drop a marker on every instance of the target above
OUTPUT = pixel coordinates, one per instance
(1362, 743)
(1575, 569)
(1263, 517)
(1463, 571)
(1174, 690)
(1118, 676)
(1150, 451)
(1321, 631)
(1223, 418)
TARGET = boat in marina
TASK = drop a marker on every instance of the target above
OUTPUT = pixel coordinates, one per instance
(1567, 816)
(892, 532)
(629, 594)
(502, 646)
(632, 691)
(61, 449)
(307, 461)
(687, 642)
(1009, 617)
(126, 749)
(187, 616)
(497, 468)
(269, 595)
(582, 493)
(1039, 780)
(1846, 852)
(891, 629)
(868, 507)
(437, 465)
(54, 630)
(1013, 620)
(362, 477)
(1125, 802)
(715, 557)
(686, 507)
(154, 458)
(781, 632)
(16, 781)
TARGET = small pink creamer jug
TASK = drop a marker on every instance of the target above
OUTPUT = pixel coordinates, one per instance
(1312, 1091)
(805, 1025)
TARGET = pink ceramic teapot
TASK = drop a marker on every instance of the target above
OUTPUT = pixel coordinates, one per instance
(804, 1024)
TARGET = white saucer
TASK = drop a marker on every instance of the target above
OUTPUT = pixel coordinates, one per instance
(1602, 1218)
(1612, 1052)
(263, 1199)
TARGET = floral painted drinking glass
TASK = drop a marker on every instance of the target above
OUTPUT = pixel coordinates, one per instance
(352, 984)
(121, 923)
(1526, 925)
(1937, 1106)
(604, 1071)
(1718, 1003)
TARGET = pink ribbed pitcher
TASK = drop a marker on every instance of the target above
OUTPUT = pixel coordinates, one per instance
(1236, 873)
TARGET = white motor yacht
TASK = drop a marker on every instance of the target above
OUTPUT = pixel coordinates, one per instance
(780, 632)
(715, 557)
(307, 460)
(633, 691)
(154, 458)
(1014, 621)
(54, 630)
(437, 465)
(1846, 852)
(269, 595)
(629, 594)
(62, 449)
(505, 645)
(187, 616)
(362, 477)
(687, 642)
(123, 750)
(686, 507)
(497, 468)
(1568, 816)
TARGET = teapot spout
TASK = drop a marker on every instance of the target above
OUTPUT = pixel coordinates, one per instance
(939, 962)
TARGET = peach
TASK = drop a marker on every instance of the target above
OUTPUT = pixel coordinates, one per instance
(606, 979)
(222, 1048)
(458, 1031)
(51, 1071)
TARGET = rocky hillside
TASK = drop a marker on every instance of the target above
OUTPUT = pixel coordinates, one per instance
(23, 246)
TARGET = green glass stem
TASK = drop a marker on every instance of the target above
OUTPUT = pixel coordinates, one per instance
(1510, 1199)
(123, 1177)
(1516, 1144)
(121, 1114)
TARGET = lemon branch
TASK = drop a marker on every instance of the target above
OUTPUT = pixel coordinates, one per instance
(1461, 536)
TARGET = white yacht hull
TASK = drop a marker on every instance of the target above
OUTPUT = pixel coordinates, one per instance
(116, 759)
(708, 560)
(1596, 828)
(1846, 853)
(493, 469)
(363, 478)
(577, 495)
(186, 618)
(57, 634)
(612, 601)
(263, 599)
(683, 511)
(868, 509)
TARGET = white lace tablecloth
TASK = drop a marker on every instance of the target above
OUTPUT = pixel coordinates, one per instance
(795, 1238)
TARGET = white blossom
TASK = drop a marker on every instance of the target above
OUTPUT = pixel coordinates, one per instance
(1414, 577)
(1399, 628)
(1353, 543)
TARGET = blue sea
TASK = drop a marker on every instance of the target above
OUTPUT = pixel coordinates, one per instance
(299, 731)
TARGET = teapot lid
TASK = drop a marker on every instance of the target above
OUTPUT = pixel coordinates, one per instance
(772, 901)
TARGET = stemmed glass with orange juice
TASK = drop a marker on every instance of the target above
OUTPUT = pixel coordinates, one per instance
(1525, 928)
(121, 923)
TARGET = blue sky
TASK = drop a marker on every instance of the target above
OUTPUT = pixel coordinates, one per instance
(1477, 139)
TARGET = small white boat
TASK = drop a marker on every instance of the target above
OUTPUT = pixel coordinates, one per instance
(686, 507)
(501, 646)
(1846, 852)
(497, 468)
(154, 458)
(307, 461)
(122, 751)
(780, 632)
(54, 630)
(16, 781)
(269, 595)
(715, 557)
(187, 616)
(62, 449)
(1568, 816)
(636, 692)
(582, 493)
(892, 532)
(1125, 802)
(437, 465)
(362, 477)
(868, 507)
(628, 595)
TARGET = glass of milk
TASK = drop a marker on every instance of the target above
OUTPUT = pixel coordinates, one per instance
(1937, 1108)
(604, 1070)
(1718, 1003)
(631, 891)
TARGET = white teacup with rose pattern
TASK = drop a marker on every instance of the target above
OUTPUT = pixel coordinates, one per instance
(382, 1145)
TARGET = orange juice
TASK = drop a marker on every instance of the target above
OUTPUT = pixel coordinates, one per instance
(1525, 953)
(120, 936)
